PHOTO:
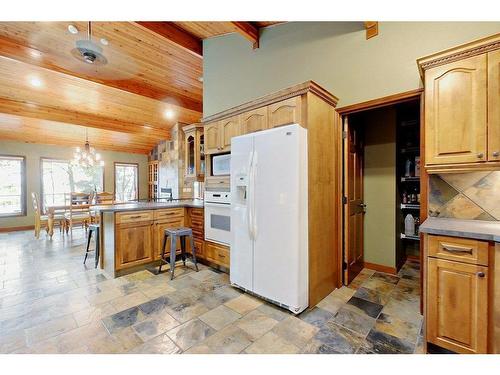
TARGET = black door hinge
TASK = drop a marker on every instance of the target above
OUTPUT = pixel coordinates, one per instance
(344, 200)
(344, 265)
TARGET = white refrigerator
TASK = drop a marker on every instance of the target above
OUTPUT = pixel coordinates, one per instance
(269, 226)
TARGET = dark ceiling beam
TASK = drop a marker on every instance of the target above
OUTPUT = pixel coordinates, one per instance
(249, 31)
(175, 34)
(42, 112)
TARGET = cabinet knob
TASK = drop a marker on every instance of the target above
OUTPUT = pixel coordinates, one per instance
(480, 155)
(480, 274)
(496, 154)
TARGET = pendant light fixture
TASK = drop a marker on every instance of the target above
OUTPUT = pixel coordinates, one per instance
(87, 157)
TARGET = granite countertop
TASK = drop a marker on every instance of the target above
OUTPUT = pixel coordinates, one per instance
(140, 206)
(478, 229)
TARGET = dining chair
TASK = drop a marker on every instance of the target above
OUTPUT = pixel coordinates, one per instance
(44, 219)
(101, 198)
(79, 211)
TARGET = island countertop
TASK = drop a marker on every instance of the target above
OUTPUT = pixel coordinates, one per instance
(477, 229)
(141, 206)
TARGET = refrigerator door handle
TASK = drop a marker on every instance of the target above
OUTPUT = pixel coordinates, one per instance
(254, 206)
(249, 196)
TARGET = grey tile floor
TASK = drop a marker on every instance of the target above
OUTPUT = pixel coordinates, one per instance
(51, 303)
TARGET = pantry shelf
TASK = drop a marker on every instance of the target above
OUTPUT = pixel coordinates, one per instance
(405, 237)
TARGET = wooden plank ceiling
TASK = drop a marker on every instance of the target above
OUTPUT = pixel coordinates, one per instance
(152, 79)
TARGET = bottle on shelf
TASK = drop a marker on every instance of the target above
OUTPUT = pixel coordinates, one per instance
(408, 168)
(417, 166)
(417, 225)
(409, 225)
(405, 197)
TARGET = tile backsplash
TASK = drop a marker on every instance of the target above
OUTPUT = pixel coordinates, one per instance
(474, 195)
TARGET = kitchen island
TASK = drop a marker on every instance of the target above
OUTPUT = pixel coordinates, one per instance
(132, 233)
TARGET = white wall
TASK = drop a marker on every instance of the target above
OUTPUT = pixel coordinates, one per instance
(334, 54)
(33, 153)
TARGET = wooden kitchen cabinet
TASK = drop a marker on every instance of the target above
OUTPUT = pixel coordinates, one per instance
(285, 112)
(457, 306)
(194, 152)
(134, 243)
(456, 112)
(229, 128)
(253, 121)
(212, 138)
(494, 106)
(159, 233)
(216, 253)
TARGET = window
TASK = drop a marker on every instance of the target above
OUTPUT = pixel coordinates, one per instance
(126, 182)
(12, 186)
(61, 177)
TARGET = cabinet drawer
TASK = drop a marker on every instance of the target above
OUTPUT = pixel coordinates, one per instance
(458, 249)
(196, 213)
(168, 213)
(218, 254)
(133, 217)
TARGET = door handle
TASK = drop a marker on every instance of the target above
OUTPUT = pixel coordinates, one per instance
(362, 205)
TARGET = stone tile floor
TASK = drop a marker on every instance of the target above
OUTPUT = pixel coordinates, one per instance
(51, 303)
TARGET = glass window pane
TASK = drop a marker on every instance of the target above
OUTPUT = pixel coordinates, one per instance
(11, 185)
(126, 182)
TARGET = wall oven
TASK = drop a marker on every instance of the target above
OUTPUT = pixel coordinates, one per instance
(218, 217)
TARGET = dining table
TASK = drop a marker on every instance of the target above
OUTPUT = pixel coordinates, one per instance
(52, 209)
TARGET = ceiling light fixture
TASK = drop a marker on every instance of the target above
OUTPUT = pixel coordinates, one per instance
(169, 114)
(72, 29)
(200, 78)
(104, 41)
(87, 157)
(35, 82)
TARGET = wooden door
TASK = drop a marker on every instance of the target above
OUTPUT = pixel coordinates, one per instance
(159, 232)
(354, 207)
(229, 128)
(253, 121)
(212, 138)
(134, 244)
(457, 306)
(455, 116)
(494, 105)
(285, 112)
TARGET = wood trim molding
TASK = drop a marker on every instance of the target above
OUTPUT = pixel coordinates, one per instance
(300, 89)
(371, 28)
(463, 51)
(463, 167)
(381, 268)
(381, 102)
(15, 229)
(249, 31)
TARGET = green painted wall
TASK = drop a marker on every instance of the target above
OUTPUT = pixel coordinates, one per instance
(33, 153)
(380, 187)
(334, 54)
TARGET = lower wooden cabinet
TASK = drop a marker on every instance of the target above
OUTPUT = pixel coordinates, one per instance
(134, 244)
(457, 295)
(216, 253)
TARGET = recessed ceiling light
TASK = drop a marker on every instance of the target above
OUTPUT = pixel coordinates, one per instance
(36, 54)
(147, 127)
(104, 41)
(169, 114)
(72, 29)
(200, 78)
(35, 82)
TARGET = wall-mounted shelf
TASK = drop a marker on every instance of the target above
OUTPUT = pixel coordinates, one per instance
(405, 237)
(410, 179)
(410, 206)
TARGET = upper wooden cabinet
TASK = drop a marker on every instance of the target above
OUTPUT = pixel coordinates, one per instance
(212, 138)
(194, 152)
(253, 121)
(494, 105)
(456, 112)
(229, 128)
(462, 97)
(285, 112)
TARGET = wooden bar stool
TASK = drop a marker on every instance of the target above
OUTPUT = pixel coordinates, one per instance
(175, 233)
(93, 228)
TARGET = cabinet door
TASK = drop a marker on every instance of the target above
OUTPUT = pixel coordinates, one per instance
(134, 244)
(494, 105)
(455, 112)
(229, 128)
(457, 306)
(285, 113)
(159, 232)
(212, 138)
(253, 121)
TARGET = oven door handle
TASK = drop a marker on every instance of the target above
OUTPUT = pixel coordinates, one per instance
(219, 205)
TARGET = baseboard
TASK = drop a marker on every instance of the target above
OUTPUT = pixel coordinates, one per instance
(15, 229)
(413, 257)
(380, 268)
